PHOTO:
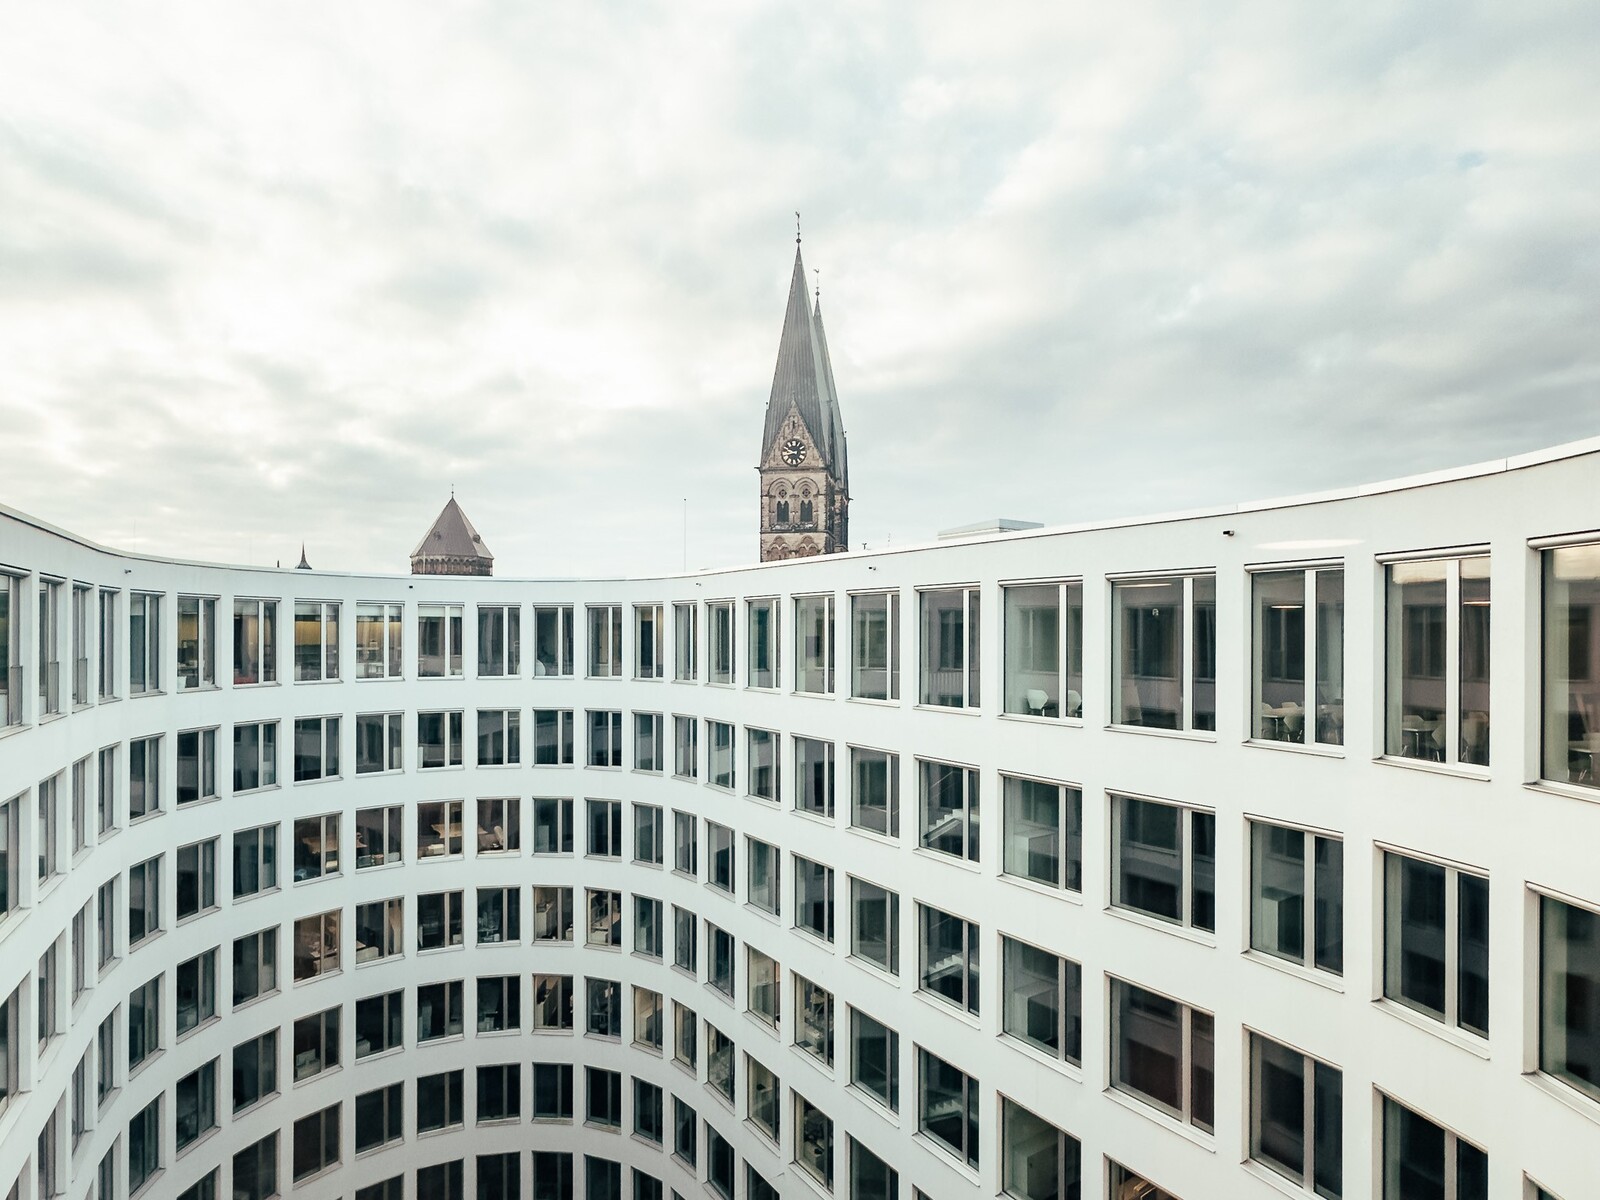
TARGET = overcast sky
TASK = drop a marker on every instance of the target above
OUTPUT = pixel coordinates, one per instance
(274, 272)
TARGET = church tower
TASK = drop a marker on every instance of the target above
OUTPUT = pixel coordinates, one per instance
(805, 478)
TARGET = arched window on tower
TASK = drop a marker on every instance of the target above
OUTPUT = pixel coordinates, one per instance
(806, 514)
(783, 512)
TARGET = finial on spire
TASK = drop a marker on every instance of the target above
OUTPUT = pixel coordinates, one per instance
(797, 229)
(817, 271)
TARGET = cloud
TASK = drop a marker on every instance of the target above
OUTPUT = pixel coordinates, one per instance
(273, 274)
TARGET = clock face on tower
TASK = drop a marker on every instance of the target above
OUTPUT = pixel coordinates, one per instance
(794, 452)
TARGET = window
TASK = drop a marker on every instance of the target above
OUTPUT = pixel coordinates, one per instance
(1436, 941)
(439, 739)
(438, 920)
(685, 940)
(649, 651)
(439, 829)
(316, 1142)
(1165, 657)
(813, 632)
(648, 1008)
(1424, 1159)
(762, 1093)
(499, 825)
(813, 898)
(764, 866)
(949, 809)
(439, 1010)
(1289, 650)
(106, 791)
(605, 828)
(875, 1059)
(500, 1176)
(685, 1042)
(552, 640)
(813, 1019)
(207, 1187)
(144, 643)
(552, 1091)
(648, 1121)
(647, 834)
(108, 650)
(605, 918)
(378, 742)
(719, 1062)
(380, 1117)
(604, 1007)
(950, 658)
(552, 1175)
(144, 777)
(813, 777)
(255, 1170)
(1043, 1000)
(1044, 649)
(499, 640)
(875, 646)
(500, 737)
(875, 791)
(552, 825)
(197, 638)
(378, 926)
(1437, 650)
(81, 596)
(685, 1123)
(762, 643)
(1162, 1052)
(1297, 896)
(499, 1093)
(719, 765)
(392, 1188)
(602, 1178)
(255, 755)
(379, 837)
(552, 914)
(316, 847)
(255, 965)
(1164, 861)
(719, 855)
(763, 977)
(649, 745)
(719, 1164)
(1569, 994)
(49, 813)
(1043, 832)
(255, 641)
(685, 642)
(438, 641)
(686, 747)
(647, 926)
(875, 925)
(10, 854)
(1572, 664)
(255, 861)
(11, 1056)
(605, 739)
(719, 629)
(1297, 1116)
(378, 638)
(144, 900)
(316, 641)
(552, 737)
(316, 748)
(316, 1044)
(439, 1102)
(48, 996)
(604, 1098)
(947, 1106)
(197, 765)
(870, 1177)
(442, 1181)
(761, 757)
(144, 1022)
(316, 945)
(605, 641)
(552, 1002)
(144, 1145)
(685, 844)
(949, 958)
(80, 804)
(379, 1023)
(197, 878)
(499, 1003)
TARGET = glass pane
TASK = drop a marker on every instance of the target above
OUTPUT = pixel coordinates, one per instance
(1278, 1107)
(1203, 871)
(1149, 1045)
(1329, 875)
(1148, 619)
(1033, 650)
(1569, 995)
(1205, 652)
(1413, 1155)
(1328, 1131)
(1278, 873)
(1415, 933)
(1149, 858)
(1330, 657)
(1474, 709)
(1572, 665)
(1279, 656)
(1032, 821)
(1417, 660)
(1473, 951)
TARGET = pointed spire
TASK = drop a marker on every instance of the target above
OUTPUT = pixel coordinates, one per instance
(451, 546)
(802, 381)
(303, 564)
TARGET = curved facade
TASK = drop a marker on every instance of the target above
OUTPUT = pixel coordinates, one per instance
(1240, 853)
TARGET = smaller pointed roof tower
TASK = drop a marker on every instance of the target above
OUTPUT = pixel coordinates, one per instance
(452, 547)
(302, 565)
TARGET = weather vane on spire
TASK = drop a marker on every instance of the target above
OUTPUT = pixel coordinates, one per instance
(797, 229)
(817, 271)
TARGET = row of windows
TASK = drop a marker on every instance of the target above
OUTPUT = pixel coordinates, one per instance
(1162, 634)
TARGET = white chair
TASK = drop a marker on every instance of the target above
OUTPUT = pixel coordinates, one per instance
(1036, 699)
(1074, 704)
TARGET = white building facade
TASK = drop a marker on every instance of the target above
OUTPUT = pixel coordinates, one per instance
(1241, 854)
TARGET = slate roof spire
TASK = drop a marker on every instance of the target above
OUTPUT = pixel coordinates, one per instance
(803, 380)
(452, 546)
